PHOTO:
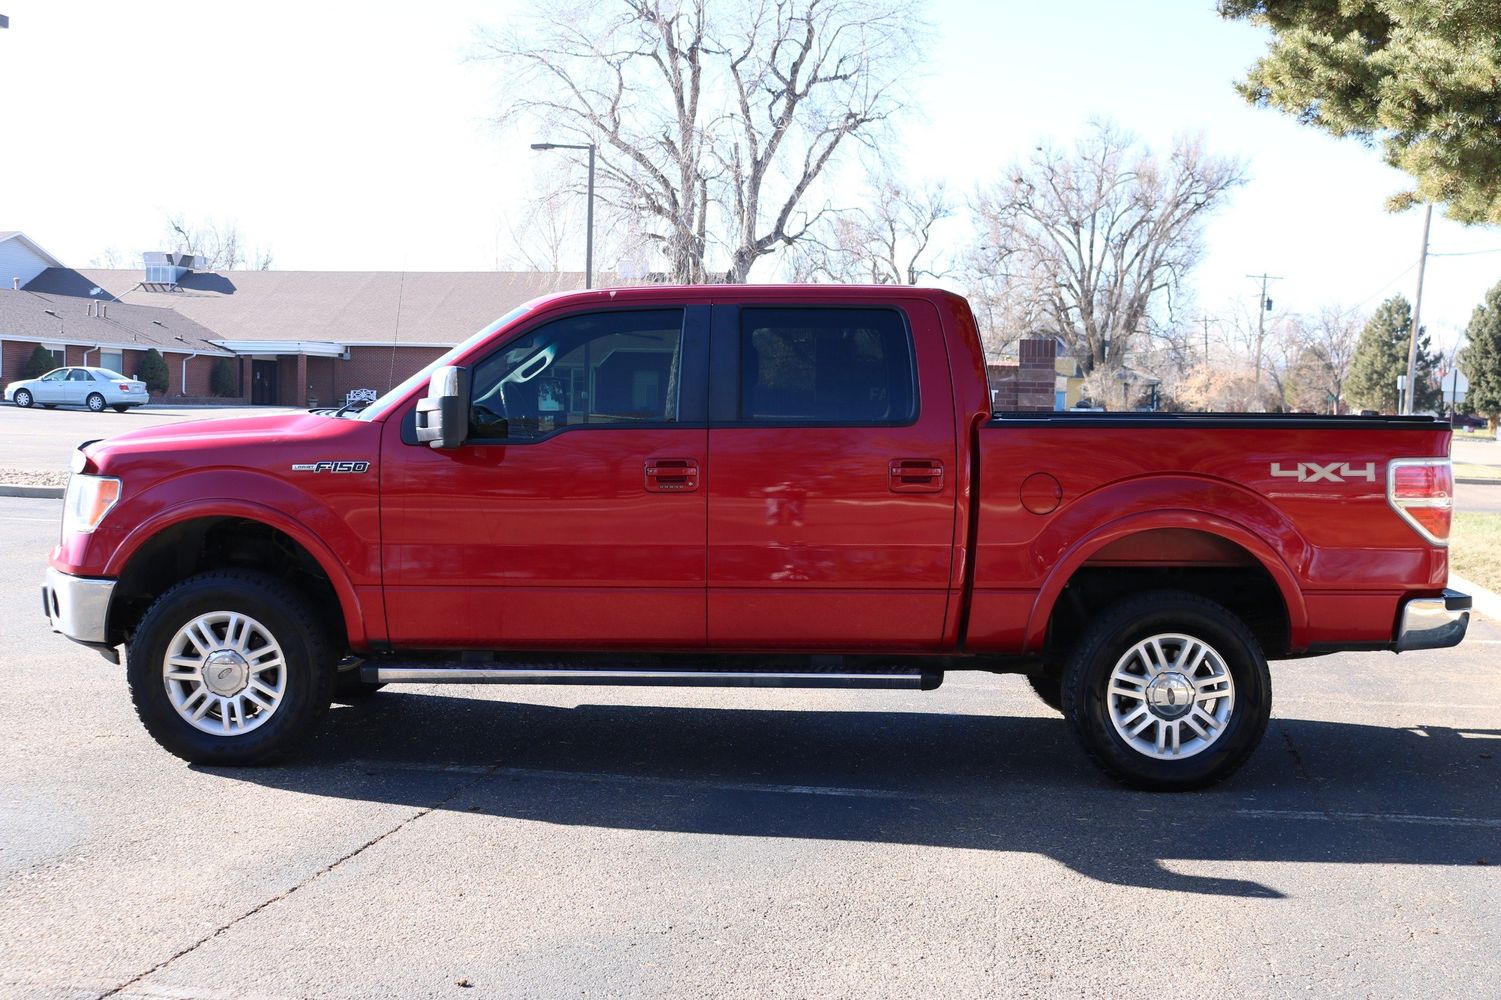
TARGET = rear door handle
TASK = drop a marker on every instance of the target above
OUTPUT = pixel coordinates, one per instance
(671, 475)
(915, 475)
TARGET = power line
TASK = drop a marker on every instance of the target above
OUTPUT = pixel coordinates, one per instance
(1389, 283)
(1463, 253)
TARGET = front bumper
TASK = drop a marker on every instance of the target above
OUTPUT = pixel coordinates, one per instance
(1433, 622)
(78, 606)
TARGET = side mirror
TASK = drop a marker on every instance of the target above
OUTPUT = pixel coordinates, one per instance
(443, 417)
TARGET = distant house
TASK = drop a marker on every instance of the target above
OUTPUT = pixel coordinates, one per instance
(310, 337)
(92, 330)
(299, 338)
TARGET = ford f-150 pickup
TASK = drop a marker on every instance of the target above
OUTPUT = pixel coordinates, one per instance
(759, 486)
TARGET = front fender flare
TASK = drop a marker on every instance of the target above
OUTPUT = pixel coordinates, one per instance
(221, 507)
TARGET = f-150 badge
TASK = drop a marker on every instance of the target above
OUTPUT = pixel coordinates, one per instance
(332, 467)
(1326, 472)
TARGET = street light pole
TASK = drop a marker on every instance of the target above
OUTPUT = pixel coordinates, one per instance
(589, 210)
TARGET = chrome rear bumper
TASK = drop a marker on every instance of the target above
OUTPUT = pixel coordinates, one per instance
(1433, 622)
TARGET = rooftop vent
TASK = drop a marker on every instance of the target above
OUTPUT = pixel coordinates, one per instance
(164, 271)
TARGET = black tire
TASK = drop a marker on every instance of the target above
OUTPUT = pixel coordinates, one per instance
(1049, 687)
(119, 409)
(286, 613)
(22, 399)
(95, 402)
(1086, 681)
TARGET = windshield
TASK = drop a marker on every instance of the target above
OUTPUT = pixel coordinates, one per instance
(448, 357)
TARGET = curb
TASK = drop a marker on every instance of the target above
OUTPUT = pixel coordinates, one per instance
(36, 492)
(1479, 482)
(1487, 602)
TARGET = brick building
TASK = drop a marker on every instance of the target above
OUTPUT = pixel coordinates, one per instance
(299, 337)
(1030, 384)
(93, 330)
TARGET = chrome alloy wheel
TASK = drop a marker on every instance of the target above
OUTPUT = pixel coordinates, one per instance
(225, 673)
(1170, 696)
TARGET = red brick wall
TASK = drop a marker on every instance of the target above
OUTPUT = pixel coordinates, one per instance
(1027, 386)
(320, 381)
(379, 368)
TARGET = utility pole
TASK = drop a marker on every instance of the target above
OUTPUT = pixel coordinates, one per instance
(1206, 340)
(1417, 315)
(1263, 306)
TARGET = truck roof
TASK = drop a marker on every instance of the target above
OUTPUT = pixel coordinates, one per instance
(793, 293)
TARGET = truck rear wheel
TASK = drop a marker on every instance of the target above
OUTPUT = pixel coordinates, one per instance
(230, 667)
(1168, 691)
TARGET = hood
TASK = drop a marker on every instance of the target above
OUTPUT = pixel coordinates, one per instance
(266, 443)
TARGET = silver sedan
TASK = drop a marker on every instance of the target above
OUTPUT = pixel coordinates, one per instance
(94, 388)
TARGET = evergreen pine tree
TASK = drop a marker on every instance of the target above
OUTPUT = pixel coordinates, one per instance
(1379, 359)
(1381, 355)
(1481, 358)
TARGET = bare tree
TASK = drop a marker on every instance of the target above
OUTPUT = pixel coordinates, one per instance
(110, 257)
(220, 244)
(888, 241)
(712, 120)
(547, 233)
(1103, 236)
(1331, 340)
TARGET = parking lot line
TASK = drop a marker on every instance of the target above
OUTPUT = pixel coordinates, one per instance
(1369, 817)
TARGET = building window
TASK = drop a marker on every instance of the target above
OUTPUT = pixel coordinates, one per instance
(113, 360)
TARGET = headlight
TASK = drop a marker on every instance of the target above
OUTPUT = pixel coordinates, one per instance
(89, 499)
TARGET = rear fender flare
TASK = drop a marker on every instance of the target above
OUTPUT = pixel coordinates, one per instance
(1092, 541)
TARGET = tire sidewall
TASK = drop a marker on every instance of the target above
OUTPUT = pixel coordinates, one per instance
(20, 393)
(1088, 679)
(309, 674)
(89, 402)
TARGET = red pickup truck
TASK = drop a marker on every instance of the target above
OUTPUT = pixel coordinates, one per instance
(729, 485)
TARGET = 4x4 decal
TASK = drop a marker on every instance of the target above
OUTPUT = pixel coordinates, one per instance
(1326, 472)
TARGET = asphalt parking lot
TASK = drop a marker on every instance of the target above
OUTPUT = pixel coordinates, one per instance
(37, 438)
(516, 842)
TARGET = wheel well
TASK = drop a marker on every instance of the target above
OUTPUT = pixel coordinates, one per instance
(202, 544)
(1194, 561)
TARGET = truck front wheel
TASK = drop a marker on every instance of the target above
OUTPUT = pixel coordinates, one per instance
(230, 667)
(1168, 691)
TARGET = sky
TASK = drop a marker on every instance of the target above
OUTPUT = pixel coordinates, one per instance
(359, 136)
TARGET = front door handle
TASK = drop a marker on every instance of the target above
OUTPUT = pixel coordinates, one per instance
(915, 475)
(671, 475)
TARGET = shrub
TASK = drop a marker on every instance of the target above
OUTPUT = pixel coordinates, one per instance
(224, 380)
(153, 371)
(40, 363)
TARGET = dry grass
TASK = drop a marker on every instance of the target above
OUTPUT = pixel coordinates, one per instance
(1475, 548)
(1469, 470)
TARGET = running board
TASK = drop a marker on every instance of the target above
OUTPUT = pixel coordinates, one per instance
(909, 680)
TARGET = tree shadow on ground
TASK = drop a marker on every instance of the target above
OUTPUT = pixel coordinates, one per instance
(1318, 792)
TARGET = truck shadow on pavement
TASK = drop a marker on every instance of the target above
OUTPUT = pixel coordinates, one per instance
(1316, 792)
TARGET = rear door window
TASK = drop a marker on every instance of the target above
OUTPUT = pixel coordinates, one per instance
(826, 367)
